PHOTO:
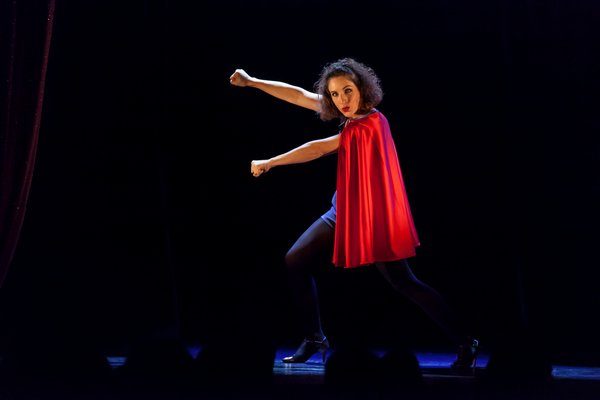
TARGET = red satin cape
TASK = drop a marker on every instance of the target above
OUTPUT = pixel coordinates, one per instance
(374, 222)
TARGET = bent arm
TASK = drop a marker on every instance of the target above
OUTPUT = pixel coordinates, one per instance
(307, 152)
(281, 90)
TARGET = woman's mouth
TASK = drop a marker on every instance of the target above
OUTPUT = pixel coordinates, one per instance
(345, 109)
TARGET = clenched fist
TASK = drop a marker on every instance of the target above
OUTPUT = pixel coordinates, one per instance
(258, 167)
(240, 78)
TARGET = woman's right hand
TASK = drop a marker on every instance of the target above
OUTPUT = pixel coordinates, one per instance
(257, 167)
(240, 78)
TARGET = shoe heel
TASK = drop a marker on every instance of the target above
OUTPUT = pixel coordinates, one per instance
(309, 347)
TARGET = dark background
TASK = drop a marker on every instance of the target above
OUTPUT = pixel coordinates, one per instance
(144, 219)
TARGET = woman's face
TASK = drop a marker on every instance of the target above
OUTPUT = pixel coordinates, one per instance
(345, 95)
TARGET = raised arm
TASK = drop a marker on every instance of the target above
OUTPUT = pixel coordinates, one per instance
(307, 152)
(292, 94)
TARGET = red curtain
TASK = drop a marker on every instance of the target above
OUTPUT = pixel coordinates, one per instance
(25, 36)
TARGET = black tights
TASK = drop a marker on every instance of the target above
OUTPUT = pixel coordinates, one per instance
(317, 242)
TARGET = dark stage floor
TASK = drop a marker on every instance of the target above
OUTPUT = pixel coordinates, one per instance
(435, 367)
(308, 381)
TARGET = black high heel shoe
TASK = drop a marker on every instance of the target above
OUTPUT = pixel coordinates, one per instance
(308, 347)
(466, 356)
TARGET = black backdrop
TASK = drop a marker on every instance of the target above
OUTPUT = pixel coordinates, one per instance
(144, 218)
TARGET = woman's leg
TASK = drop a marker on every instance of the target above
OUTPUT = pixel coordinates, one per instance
(401, 277)
(403, 280)
(312, 246)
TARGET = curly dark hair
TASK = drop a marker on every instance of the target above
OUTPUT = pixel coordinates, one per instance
(363, 77)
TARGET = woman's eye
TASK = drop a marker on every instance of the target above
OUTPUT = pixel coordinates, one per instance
(348, 91)
(333, 94)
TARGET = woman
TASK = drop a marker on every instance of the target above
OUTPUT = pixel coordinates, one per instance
(370, 222)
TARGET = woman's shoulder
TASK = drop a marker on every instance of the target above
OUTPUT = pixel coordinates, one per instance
(377, 120)
(377, 113)
(372, 114)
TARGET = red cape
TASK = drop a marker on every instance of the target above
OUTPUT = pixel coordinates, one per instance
(374, 222)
